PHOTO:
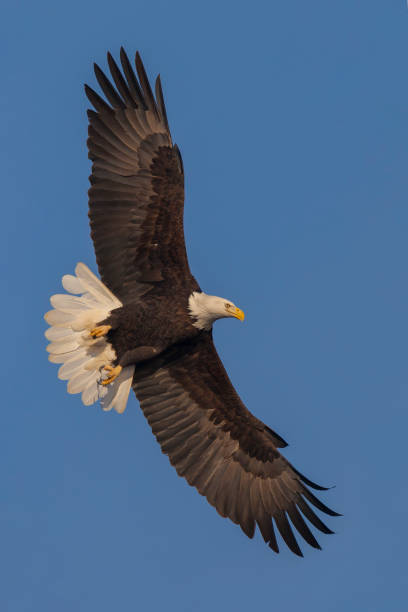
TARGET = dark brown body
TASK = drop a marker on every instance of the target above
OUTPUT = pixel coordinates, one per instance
(143, 329)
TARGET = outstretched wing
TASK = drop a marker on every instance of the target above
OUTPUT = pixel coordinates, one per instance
(136, 197)
(221, 448)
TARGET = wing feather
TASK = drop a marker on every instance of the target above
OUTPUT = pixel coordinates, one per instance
(220, 448)
(301, 526)
(136, 198)
(120, 83)
(160, 102)
(144, 81)
(131, 80)
(311, 516)
(109, 91)
(286, 532)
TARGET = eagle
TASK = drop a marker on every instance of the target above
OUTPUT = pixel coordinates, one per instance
(147, 325)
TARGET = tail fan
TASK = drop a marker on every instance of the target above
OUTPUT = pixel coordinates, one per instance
(87, 302)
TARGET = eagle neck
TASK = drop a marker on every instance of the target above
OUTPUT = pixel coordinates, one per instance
(199, 306)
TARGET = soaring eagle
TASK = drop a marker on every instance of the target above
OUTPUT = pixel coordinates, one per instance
(147, 324)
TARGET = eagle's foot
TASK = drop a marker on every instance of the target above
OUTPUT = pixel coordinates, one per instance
(100, 331)
(114, 373)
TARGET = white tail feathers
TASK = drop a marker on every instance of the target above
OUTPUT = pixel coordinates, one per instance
(71, 344)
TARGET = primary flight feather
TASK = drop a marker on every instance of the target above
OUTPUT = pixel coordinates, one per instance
(146, 324)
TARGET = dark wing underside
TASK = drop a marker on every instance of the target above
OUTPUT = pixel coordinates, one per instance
(137, 195)
(221, 448)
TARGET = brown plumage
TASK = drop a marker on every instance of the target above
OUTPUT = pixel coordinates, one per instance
(137, 195)
(136, 216)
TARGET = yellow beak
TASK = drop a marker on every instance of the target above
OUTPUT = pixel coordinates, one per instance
(238, 314)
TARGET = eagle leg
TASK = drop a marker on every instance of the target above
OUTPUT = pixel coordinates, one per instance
(139, 354)
(114, 373)
(101, 330)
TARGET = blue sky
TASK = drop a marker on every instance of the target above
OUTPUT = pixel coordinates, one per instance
(292, 122)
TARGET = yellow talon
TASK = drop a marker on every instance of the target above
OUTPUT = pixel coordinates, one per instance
(101, 330)
(114, 373)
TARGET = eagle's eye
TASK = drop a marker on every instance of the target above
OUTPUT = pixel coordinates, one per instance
(227, 306)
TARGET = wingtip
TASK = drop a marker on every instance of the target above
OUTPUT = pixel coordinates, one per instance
(97, 71)
(138, 61)
(317, 503)
(89, 92)
(273, 547)
(309, 482)
(123, 54)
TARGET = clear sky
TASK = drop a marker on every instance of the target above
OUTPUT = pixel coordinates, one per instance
(291, 117)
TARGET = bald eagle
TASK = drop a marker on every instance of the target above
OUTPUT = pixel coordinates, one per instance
(147, 324)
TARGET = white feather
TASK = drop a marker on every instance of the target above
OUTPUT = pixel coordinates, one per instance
(55, 334)
(67, 303)
(56, 358)
(61, 357)
(104, 357)
(72, 284)
(58, 348)
(117, 398)
(90, 394)
(81, 356)
(80, 381)
(76, 361)
(57, 318)
(95, 286)
(74, 365)
(124, 389)
(89, 318)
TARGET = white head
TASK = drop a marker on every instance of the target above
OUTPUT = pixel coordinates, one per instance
(205, 309)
